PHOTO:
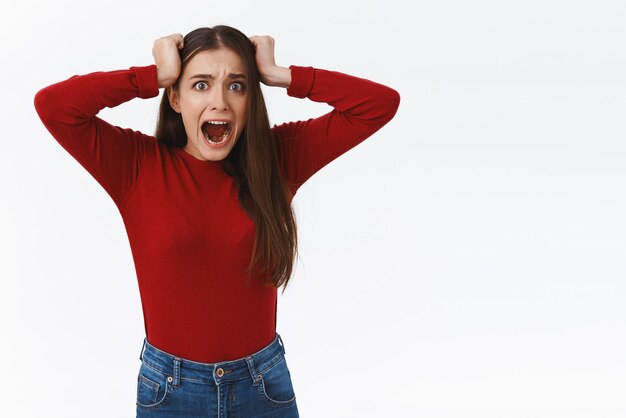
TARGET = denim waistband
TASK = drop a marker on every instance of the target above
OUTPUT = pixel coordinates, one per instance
(178, 368)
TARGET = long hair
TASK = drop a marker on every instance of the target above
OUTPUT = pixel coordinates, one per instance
(253, 162)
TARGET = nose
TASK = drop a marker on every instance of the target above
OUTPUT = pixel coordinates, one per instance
(217, 100)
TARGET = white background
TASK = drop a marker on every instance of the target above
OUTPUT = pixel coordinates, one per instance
(467, 260)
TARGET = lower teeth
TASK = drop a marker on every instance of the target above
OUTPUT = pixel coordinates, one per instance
(220, 141)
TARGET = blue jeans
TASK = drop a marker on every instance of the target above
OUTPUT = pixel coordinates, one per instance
(258, 385)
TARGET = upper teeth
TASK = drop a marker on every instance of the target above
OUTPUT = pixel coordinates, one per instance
(217, 122)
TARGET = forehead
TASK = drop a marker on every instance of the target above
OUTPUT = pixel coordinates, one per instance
(218, 62)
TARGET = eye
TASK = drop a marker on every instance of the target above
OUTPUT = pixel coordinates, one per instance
(240, 86)
(201, 82)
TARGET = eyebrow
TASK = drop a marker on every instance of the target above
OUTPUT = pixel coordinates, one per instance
(210, 76)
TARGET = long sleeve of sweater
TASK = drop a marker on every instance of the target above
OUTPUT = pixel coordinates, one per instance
(361, 107)
(112, 155)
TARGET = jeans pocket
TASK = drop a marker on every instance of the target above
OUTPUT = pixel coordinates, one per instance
(153, 387)
(276, 386)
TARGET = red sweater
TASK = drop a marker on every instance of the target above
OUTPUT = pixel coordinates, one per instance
(190, 238)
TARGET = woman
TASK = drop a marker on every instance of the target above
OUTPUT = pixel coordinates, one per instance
(206, 203)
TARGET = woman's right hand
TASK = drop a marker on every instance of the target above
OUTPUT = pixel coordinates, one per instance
(167, 58)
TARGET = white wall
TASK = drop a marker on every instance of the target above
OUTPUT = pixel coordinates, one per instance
(468, 260)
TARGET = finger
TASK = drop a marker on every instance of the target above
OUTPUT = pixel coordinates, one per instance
(177, 38)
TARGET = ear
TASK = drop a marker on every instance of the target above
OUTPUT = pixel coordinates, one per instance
(173, 96)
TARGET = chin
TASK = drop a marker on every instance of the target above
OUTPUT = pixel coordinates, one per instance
(214, 157)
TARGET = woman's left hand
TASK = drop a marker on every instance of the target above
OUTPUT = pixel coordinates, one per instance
(271, 74)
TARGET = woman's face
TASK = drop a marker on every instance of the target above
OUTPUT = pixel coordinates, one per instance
(211, 97)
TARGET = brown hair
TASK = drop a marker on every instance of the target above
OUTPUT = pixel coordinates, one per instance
(253, 162)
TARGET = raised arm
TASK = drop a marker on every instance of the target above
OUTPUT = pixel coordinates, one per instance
(361, 107)
(109, 153)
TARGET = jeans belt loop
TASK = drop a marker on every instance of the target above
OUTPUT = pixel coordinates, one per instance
(253, 373)
(282, 345)
(176, 377)
(143, 348)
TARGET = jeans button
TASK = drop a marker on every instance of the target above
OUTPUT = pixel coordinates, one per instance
(220, 372)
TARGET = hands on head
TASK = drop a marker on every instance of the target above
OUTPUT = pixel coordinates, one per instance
(167, 60)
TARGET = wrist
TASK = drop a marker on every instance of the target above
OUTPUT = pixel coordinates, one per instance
(165, 79)
(279, 77)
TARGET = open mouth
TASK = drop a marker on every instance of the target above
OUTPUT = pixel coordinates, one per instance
(216, 131)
